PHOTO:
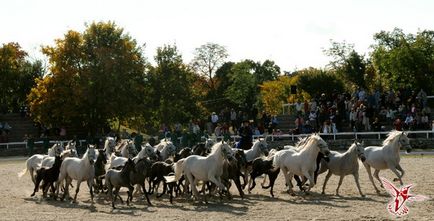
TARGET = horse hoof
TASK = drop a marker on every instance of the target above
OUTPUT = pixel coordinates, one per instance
(323, 193)
(395, 179)
(363, 196)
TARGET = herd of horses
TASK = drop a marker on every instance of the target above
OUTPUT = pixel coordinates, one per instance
(210, 165)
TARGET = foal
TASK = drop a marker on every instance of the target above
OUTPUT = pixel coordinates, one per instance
(48, 175)
(117, 179)
(100, 163)
(264, 166)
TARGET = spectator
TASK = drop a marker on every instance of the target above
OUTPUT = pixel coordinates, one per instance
(424, 121)
(432, 126)
(30, 143)
(376, 126)
(299, 123)
(234, 119)
(218, 130)
(298, 107)
(397, 124)
(138, 140)
(312, 119)
(214, 120)
(326, 127)
(246, 134)
(308, 129)
(409, 122)
(422, 97)
(7, 128)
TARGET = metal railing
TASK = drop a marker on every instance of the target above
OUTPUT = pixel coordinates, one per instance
(24, 143)
(293, 137)
(335, 136)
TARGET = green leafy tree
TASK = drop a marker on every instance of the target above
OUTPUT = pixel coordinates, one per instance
(405, 60)
(316, 81)
(173, 97)
(242, 90)
(17, 76)
(347, 63)
(95, 77)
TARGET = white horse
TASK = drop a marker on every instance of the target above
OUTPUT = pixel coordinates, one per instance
(147, 151)
(71, 145)
(48, 161)
(34, 162)
(127, 148)
(386, 156)
(78, 169)
(301, 162)
(210, 168)
(342, 164)
(259, 148)
(165, 148)
(109, 146)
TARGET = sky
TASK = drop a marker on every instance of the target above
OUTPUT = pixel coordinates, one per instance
(291, 33)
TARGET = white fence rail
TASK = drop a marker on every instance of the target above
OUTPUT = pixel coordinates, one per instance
(336, 136)
(24, 143)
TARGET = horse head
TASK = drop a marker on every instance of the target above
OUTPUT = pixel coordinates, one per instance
(149, 151)
(101, 156)
(360, 150)
(227, 151)
(263, 146)
(130, 165)
(91, 155)
(322, 145)
(405, 142)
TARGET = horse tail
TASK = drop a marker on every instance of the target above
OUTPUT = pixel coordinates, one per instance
(178, 167)
(24, 171)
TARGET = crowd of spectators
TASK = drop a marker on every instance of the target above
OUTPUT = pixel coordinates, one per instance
(363, 111)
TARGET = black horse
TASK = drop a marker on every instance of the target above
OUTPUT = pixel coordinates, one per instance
(48, 175)
(264, 166)
(100, 163)
(232, 171)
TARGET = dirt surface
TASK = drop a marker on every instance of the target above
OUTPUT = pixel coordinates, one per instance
(16, 203)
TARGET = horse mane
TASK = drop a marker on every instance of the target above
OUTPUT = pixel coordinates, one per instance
(215, 148)
(307, 141)
(391, 137)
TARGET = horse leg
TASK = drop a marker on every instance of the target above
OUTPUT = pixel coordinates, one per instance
(146, 195)
(273, 176)
(356, 178)
(66, 188)
(329, 174)
(395, 171)
(238, 185)
(309, 175)
(77, 190)
(245, 177)
(368, 169)
(289, 177)
(37, 182)
(299, 182)
(192, 182)
(341, 178)
(90, 185)
(264, 181)
(164, 190)
(376, 172)
(252, 178)
(398, 167)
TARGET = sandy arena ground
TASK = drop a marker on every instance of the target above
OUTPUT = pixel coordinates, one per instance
(16, 203)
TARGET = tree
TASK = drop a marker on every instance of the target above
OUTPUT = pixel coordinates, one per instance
(242, 91)
(275, 93)
(17, 76)
(173, 98)
(208, 58)
(316, 81)
(405, 60)
(95, 77)
(267, 71)
(347, 63)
